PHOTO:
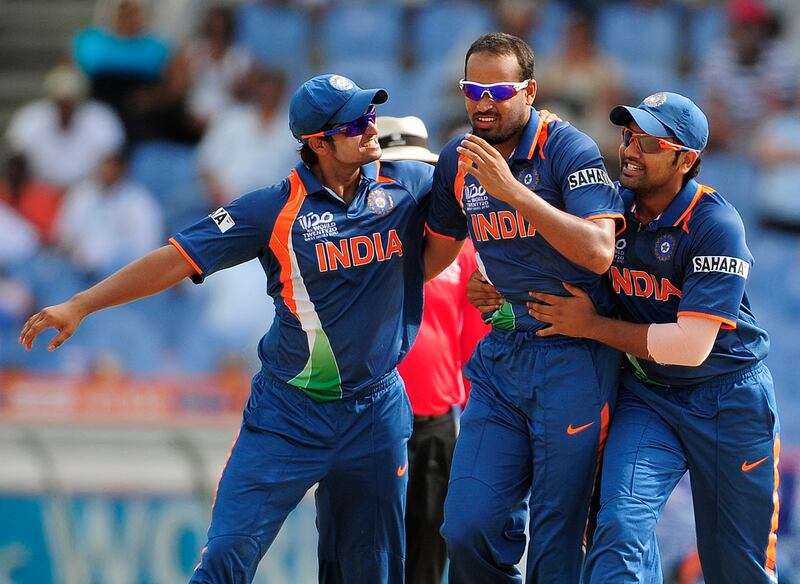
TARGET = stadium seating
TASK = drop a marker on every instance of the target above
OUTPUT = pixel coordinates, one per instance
(276, 35)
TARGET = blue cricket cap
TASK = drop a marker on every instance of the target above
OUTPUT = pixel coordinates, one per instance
(327, 100)
(666, 115)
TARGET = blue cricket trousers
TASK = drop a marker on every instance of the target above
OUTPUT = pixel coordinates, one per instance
(725, 433)
(530, 440)
(354, 448)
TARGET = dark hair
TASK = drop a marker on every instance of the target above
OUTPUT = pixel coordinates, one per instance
(500, 43)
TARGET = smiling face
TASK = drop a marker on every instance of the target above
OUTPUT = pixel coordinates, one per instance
(643, 173)
(498, 122)
(356, 150)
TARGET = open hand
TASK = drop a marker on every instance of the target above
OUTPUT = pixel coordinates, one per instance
(487, 165)
(568, 315)
(64, 317)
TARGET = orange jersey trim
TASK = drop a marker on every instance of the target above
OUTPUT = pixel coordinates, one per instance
(281, 235)
(617, 217)
(687, 214)
(185, 255)
(773, 532)
(458, 182)
(224, 466)
(605, 416)
(378, 177)
(539, 139)
(727, 323)
(439, 235)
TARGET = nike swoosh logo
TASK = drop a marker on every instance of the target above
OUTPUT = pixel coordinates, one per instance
(571, 430)
(401, 470)
(747, 467)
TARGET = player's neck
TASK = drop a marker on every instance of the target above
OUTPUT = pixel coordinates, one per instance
(340, 178)
(650, 204)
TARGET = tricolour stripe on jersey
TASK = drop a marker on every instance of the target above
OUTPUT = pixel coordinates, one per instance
(320, 377)
(776, 506)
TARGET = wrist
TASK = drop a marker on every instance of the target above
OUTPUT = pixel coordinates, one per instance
(594, 328)
(80, 303)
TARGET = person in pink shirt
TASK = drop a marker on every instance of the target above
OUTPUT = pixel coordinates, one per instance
(432, 372)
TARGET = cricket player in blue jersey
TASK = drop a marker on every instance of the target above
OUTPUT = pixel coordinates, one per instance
(695, 395)
(340, 241)
(540, 209)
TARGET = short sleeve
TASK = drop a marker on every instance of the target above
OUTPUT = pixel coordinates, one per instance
(446, 217)
(718, 266)
(415, 176)
(233, 234)
(578, 166)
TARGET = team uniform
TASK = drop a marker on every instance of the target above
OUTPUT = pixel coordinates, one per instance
(432, 373)
(717, 420)
(539, 407)
(328, 405)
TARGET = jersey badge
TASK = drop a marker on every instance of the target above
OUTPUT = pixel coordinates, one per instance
(222, 219)
(665, 247)
(530, 178)
(380, 202)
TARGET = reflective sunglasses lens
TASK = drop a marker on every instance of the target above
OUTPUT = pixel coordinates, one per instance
(359, 125)
(649, 144)
(502, 92)
(475, 91)
(472, 91)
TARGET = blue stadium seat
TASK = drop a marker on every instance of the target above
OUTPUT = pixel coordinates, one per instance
(734, 176)
(706, 28)
(276, 35)
(444, 28)
(169, 170)
(126, 333)
(650, 58)
(351, 31)
(547, 35)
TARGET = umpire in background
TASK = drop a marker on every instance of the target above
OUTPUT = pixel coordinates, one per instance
(432, 372)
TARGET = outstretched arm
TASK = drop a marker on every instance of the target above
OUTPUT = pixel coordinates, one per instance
(153, 273)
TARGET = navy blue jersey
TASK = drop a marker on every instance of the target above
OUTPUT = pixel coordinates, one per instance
(691, 261)
(564, 167)
(346, 279)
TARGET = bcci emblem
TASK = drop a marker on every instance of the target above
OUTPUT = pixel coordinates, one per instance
(529, 177)
(340, 83)
(655, 100)
(665, 246)
(380, 202)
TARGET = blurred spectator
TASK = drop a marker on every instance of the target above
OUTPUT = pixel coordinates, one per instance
(121, 59)
(218, 67)
(743, 70)
(517, 17)
(109, 220)
(37, 201)
(249, 146)
(161, 112)
(18, 239)
(64, 136)
(776, 148)
(581, 83)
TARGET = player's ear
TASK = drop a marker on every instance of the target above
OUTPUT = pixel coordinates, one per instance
(319, 145)
(530, 92)
(689, 158)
